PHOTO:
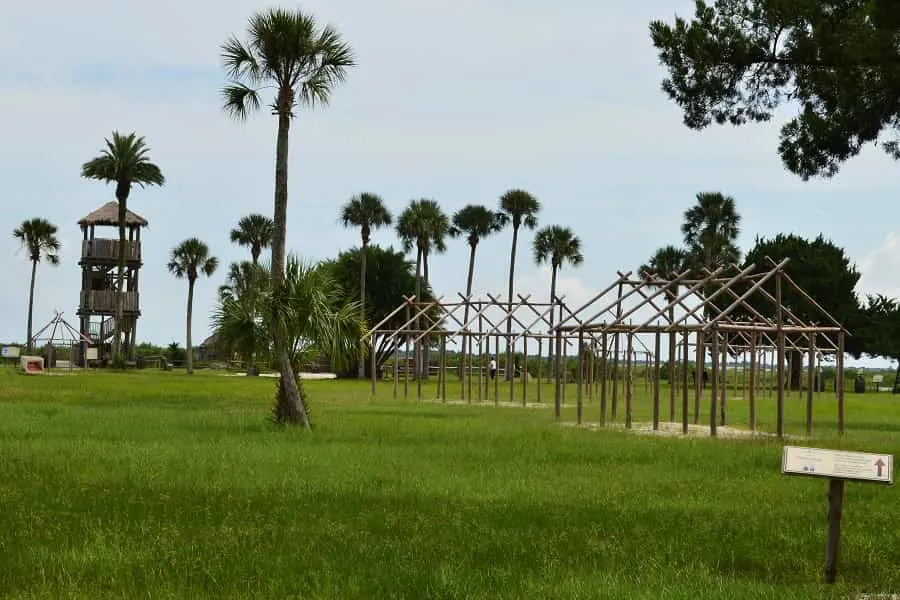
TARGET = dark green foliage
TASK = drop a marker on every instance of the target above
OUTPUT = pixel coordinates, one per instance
(879, 327)
(389, 278)
(737, 60)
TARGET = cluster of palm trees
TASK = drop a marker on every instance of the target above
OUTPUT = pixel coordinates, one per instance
(710, 229)
(423, 227)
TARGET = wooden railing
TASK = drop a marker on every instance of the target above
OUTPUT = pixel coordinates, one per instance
(109, 249)
(105, 301)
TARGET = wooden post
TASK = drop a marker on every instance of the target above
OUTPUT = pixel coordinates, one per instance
(699, 370)
(396, 365)
(629, 373)
(810, 383)
(779, 309)
(444, 368)
(835, 507)
(510, 371)
(480, 361)
(840, 382)
(684, 387)
(497, 374)
(524, 370)
(656, 348)
(604, 375)
(373, 365)
(557, 372)
(406, 359)
(540, 366)
(714, 383)
(723, 403)
(614, 405)
(580, 409)
(752, 383)
(673, 358)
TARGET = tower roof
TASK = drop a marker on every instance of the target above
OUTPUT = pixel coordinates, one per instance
(108, 214)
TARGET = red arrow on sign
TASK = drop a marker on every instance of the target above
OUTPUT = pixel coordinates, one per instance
(879, 464)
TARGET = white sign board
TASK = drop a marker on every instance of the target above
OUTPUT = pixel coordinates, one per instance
(9, 352)
(877, 378)
(837, 464)
(90, 354)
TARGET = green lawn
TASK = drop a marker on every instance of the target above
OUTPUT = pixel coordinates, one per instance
(157, 485)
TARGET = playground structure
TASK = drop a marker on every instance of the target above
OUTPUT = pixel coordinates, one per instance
(730, 320)
(99, 279)
(59, 344)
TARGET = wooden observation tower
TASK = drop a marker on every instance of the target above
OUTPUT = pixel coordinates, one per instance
(99, 277)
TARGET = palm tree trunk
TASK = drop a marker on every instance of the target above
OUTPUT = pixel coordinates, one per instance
(424, 344)
(28, 343)
(552, 311)
(189, 345)
(510, 373)
(468, 340)
(362, 307)
(419, 261)
(291, 407)
(122, 197)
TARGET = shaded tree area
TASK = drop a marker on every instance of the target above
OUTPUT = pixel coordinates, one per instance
(823, 270)
(389, 277)
(737, 61)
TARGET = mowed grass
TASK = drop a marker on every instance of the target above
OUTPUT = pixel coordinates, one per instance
(159, 485)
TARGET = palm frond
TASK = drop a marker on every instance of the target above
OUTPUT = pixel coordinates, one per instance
(240, 100)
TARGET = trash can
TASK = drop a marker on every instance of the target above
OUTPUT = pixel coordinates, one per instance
(859, 386)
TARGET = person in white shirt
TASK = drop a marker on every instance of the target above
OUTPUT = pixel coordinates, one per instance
(493, 368)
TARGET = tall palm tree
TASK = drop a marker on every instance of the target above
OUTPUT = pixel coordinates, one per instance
(366, 211)
(423, 226)
(710, 230)
(556, 245)
(125, 162)
(243, 293)
(254, 231)
(38, 237)
(521, 208)
(665, 264)
(303, 62)
(475, 223)
(190, 259)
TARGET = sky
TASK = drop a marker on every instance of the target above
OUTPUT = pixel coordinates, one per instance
(453, 100)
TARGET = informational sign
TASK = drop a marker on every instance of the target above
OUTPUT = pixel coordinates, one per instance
(9, 352)
(91, 354)
(837, 464)
(877, 378)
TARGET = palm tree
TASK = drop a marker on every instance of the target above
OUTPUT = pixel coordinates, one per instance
(423, 226)
(254, 231)
(665, 264)
(125, 162)
(189, 260)
(240, 306)
(288, 51)
(366, 211)
(556, 245)
(476, 223)
(38, 237)
(304, 310)
(521, 208)
(710, 229)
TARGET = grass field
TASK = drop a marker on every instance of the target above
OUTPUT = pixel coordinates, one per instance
(157, 485)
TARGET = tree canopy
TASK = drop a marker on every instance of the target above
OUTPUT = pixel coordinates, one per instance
(737, 61)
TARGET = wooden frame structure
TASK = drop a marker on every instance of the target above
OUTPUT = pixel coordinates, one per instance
(708, 318)
(471, 325)
(723, 312)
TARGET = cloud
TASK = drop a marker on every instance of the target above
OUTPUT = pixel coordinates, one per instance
(880, 268)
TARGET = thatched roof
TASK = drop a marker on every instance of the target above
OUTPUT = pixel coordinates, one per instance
(108, 214)
(210, 341)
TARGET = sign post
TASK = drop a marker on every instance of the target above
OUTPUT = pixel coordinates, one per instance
(837, 466)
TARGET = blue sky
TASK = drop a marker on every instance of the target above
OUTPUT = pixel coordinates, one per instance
(457, 101)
